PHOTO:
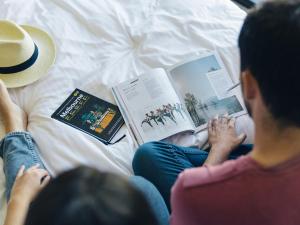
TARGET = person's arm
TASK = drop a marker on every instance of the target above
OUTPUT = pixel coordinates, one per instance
(27, 185)
(16, 212)
(223, 139)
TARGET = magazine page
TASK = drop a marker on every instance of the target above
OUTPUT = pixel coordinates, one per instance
(152, 107)
(136, 138)
(202, 84)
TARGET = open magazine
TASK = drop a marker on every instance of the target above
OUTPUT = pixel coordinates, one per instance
(161, 103)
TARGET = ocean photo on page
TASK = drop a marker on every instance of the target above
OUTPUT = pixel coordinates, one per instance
(203, 84)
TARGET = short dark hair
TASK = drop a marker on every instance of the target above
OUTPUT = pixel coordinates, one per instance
(269, 45)
(87, 196)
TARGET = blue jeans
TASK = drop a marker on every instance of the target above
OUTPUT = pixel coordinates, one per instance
(153, 197)
(19, 148)
(161, 163)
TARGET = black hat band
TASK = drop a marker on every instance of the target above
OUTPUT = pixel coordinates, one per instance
(23, 66)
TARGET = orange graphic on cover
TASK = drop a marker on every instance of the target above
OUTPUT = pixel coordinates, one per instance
(105, 121)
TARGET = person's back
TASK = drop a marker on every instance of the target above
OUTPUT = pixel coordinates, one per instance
(262, 187)
(238, 192)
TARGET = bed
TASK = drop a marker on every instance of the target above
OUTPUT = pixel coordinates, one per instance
(102, 43)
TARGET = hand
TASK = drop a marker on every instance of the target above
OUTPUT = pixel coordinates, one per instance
(222, 134)
(29, 183)
(222, 138)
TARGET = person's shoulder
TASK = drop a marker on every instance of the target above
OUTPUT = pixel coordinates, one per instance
(215, 174)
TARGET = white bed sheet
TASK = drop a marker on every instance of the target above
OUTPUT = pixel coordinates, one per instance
(102, 43)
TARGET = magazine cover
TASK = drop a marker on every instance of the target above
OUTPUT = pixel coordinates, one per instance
(91, 115)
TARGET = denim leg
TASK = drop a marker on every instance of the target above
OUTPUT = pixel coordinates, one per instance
(241, 150)
(17, 149)
(161, 163)
(153, 197)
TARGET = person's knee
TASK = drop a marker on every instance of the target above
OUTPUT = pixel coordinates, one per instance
(153, 197)
(145, 156)
(141, 183)
(146, 187)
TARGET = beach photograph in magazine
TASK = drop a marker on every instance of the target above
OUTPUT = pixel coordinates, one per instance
(201, 94)
(164, 116)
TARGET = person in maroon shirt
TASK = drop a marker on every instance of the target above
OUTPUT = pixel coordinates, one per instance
(262, 187)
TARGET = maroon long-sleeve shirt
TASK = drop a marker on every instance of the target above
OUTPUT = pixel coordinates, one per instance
(238, 192)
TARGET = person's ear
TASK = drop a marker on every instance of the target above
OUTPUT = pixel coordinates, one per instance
(249, 84)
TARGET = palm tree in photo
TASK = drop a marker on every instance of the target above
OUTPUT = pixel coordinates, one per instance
(191, 104)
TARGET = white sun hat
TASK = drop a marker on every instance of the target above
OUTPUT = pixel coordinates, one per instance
(26, 53)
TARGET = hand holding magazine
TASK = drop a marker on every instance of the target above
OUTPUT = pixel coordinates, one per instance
(161, 103)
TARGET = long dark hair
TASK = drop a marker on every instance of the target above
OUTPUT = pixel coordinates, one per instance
(87, 196)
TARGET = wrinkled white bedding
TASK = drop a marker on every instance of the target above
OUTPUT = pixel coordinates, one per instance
(101, 43)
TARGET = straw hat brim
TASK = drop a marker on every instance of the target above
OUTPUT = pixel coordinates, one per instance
(45, 60)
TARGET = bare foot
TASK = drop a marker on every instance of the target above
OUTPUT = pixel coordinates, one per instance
(14, 118)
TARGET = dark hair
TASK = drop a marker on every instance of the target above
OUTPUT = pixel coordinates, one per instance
(269, 44)
(87, 196)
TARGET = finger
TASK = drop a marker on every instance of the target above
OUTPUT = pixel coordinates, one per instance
(21, 171)
(210, 127)
(214, 123)
(224, 120)
(231, 122)
(218, 123)
(36, 166)
(42, 173)
(46, 181)
(226, 115)
(242, 137)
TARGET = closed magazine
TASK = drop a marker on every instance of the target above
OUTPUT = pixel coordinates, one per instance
(91, 115)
